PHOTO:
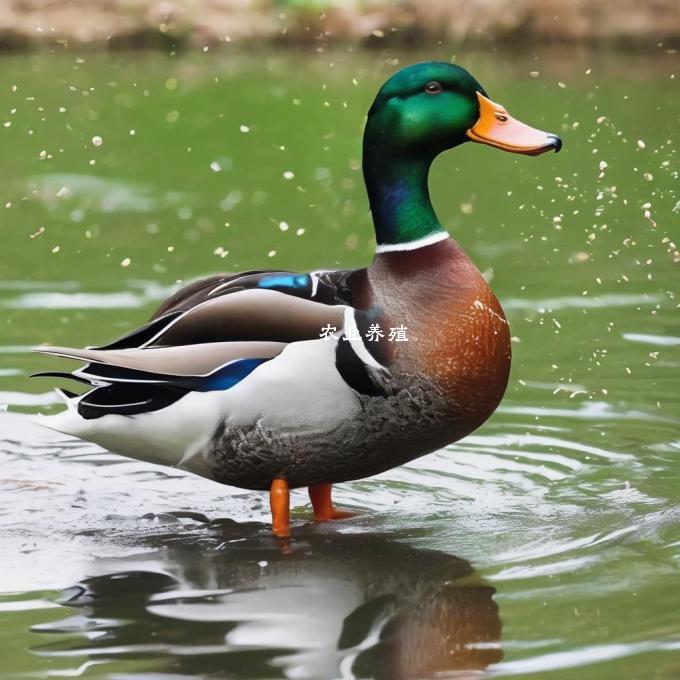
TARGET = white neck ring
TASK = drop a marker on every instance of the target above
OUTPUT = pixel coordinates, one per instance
(428, 240)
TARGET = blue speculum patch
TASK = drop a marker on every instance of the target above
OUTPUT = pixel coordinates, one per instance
(285, 281)
(230, 375)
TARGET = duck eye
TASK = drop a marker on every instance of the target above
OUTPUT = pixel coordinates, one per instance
(433, 87)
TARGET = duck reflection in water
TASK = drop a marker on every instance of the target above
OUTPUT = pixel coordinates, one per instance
(335, 606)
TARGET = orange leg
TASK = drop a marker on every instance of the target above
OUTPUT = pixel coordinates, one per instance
(279, 499)
(320, 495)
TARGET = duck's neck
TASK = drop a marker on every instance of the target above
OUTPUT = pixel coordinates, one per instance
(400, 200)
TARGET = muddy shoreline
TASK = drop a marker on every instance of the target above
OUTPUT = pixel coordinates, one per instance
(185, 23)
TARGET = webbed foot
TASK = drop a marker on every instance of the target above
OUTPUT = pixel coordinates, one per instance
(320, 495)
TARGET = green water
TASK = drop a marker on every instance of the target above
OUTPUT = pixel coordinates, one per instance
(544, 545)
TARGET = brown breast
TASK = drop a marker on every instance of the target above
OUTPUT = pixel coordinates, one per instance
(457, 333)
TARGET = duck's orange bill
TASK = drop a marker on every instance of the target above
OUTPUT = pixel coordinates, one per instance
(496, 127)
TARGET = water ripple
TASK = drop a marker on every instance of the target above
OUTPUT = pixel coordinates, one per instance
(583, 656)
(661, 340)
(565, 517)
(88, 192)
(583, 302)
(142, 293)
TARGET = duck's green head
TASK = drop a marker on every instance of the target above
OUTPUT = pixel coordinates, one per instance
(419, 112)
(433, 106)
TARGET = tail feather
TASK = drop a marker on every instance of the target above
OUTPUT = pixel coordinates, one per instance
(69, 352)
(186, 361)
(62, 374)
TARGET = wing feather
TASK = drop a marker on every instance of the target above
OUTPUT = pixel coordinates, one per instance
(215, 332)
(251, 314)
(189, 360)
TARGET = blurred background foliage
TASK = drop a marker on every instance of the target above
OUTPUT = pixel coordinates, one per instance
(372, 22)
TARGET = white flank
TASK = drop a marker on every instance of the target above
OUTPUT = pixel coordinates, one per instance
(298, 390)
(164, 437)
(429, 240)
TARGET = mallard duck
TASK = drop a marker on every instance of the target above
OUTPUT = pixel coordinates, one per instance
(273, 380)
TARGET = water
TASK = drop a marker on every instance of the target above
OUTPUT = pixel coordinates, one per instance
(544, 545)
